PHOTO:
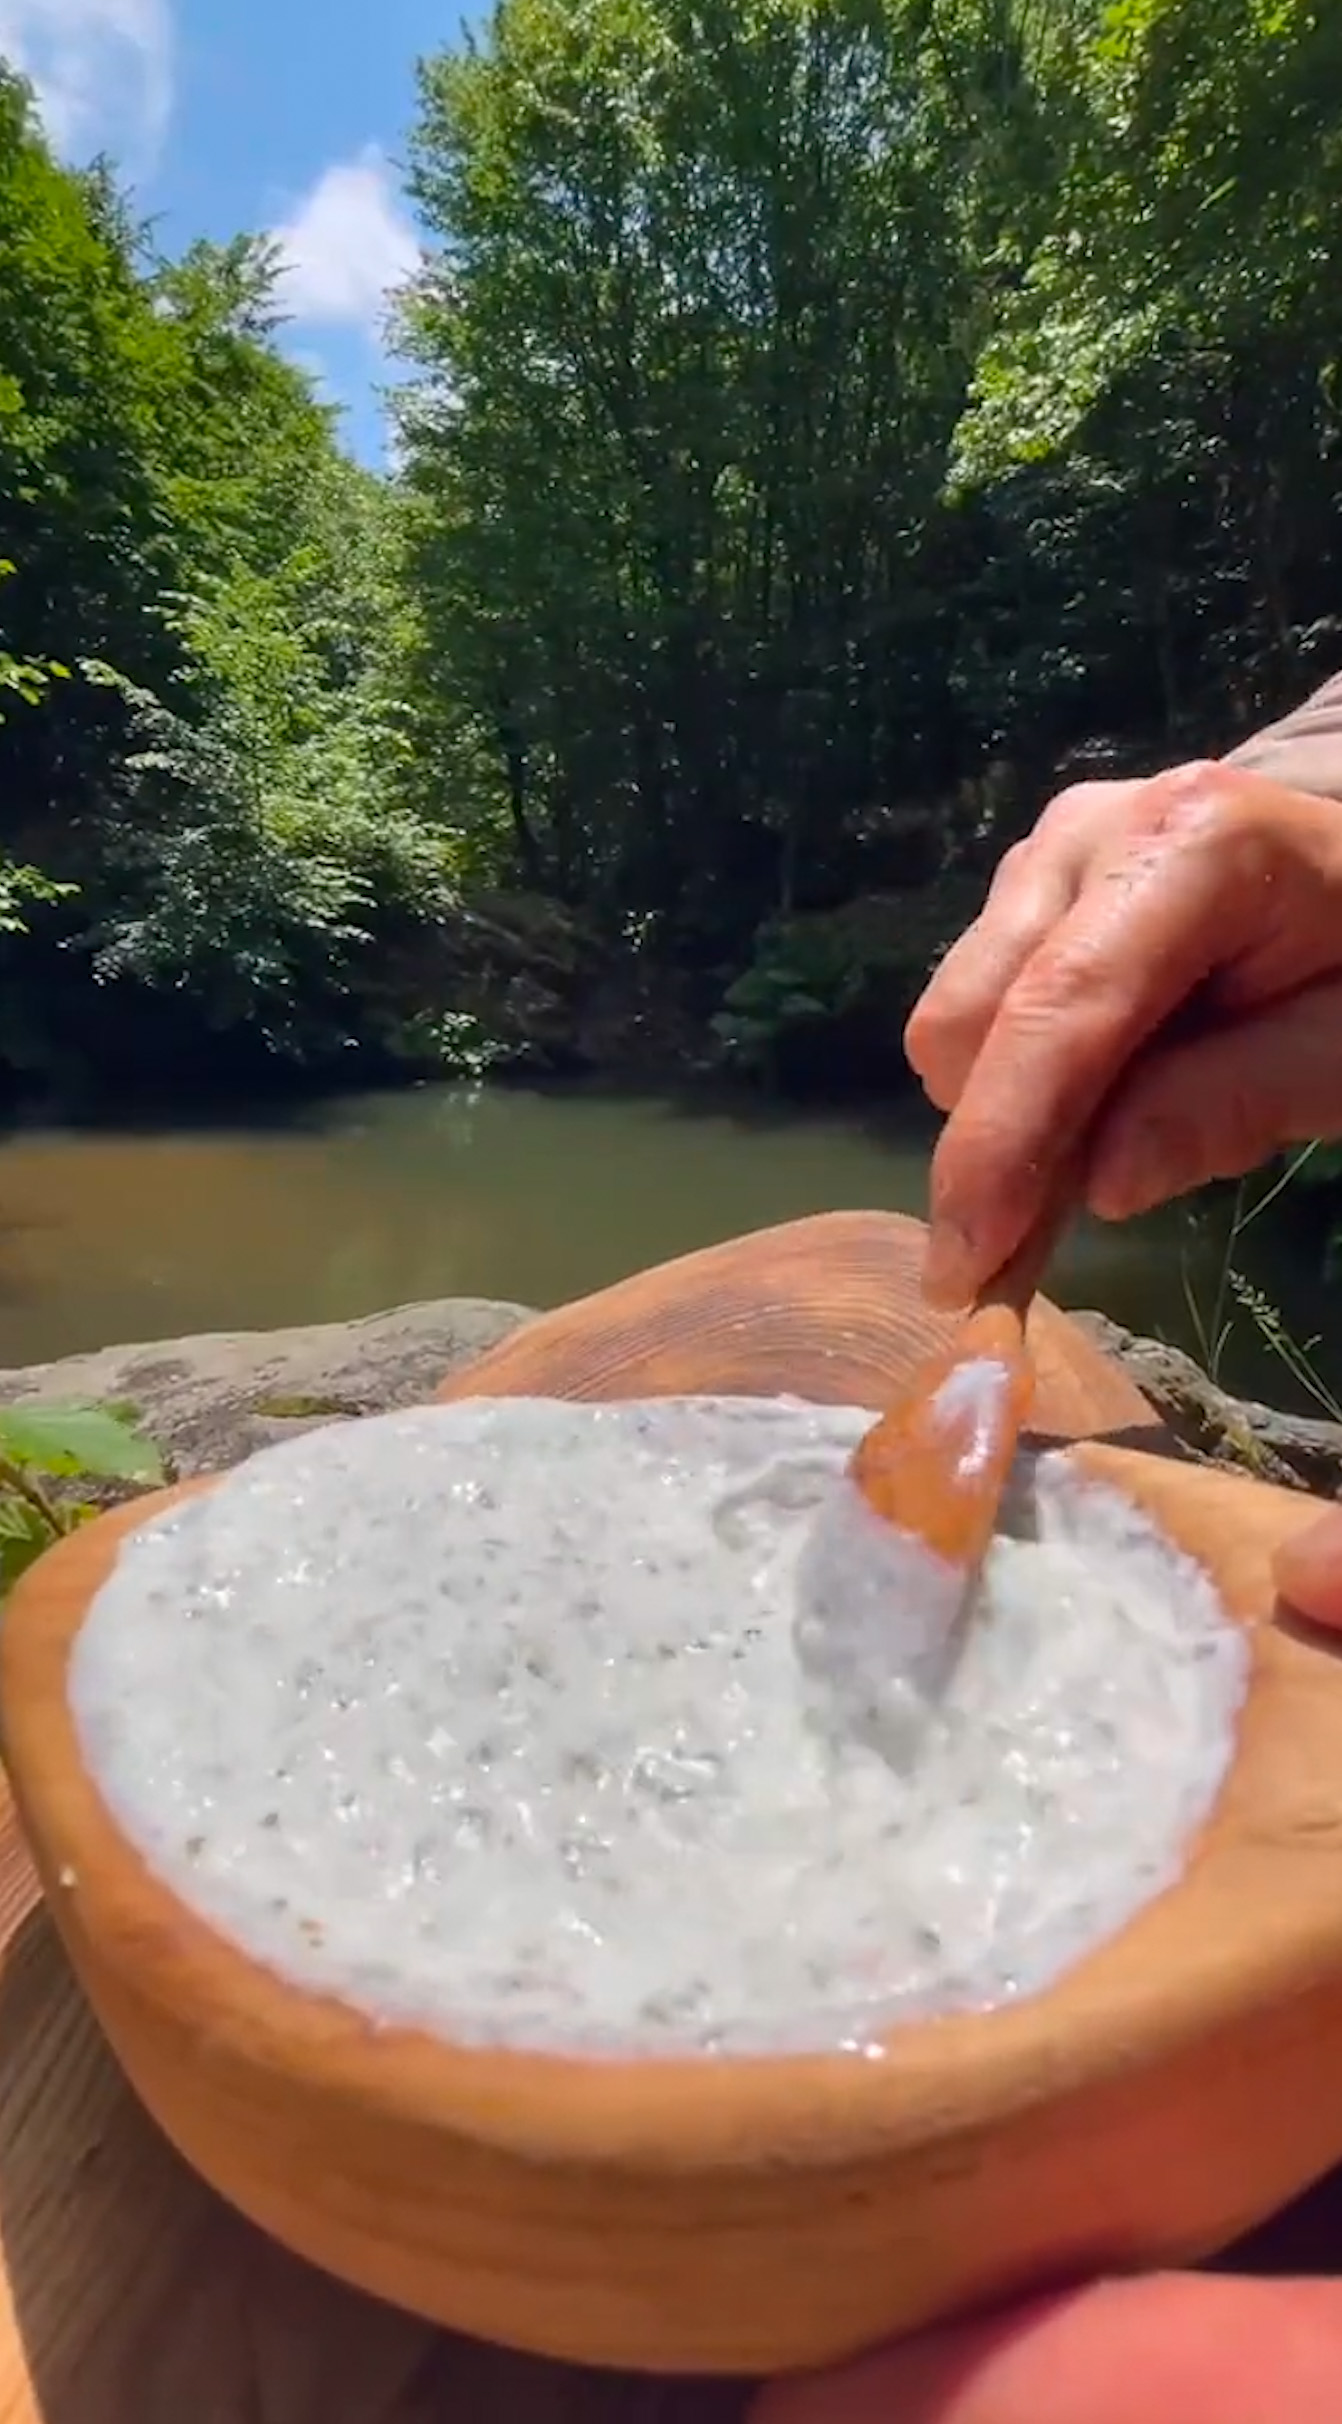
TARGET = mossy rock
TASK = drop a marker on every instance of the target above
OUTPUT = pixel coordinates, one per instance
(207, 1402)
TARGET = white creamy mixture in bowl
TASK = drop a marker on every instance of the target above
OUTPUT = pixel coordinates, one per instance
(566, 1726)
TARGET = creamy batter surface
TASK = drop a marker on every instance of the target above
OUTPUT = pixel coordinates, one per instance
(593, 1727)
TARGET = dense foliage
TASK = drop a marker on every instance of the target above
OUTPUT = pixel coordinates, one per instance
(202, 742)
(834, 421)
(831, 405)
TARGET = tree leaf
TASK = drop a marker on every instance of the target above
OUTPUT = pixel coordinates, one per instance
(23, 1537)
(69, 1440)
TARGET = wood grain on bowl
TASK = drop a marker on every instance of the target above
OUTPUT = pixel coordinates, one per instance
(131, 2294)
(748, 2216)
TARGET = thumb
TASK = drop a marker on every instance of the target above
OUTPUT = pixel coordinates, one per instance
(1177, 2348)
(1307, 1569)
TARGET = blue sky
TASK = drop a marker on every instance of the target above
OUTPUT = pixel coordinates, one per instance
(284, 115)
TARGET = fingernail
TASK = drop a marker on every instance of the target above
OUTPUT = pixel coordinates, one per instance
(950, 1266)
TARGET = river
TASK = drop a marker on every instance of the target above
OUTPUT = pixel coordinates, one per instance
(345, 1205)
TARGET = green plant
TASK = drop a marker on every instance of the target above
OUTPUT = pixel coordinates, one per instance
(22, 887)
(60, 1444)
(25, 678)
(456, 1042)
(800, 976)
(1213, 1323)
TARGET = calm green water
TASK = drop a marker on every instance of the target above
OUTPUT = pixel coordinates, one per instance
(344, 1206)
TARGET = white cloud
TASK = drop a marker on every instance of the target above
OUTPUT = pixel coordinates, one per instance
(347, 246)
(102, 71)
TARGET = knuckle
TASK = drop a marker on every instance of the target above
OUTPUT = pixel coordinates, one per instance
(1194, 776)
(1192, 793)
(1024, 874)
(933, 1050)
(1077, 804)
(922, 1022)
(1012, 863)
(1078, 799)
(942, 1000)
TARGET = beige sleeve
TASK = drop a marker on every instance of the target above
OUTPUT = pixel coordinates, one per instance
(1303, 750)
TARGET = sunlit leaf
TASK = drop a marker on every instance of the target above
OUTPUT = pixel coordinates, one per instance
(65, 1441)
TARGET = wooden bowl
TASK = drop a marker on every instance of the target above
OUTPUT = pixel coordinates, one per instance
(754, 2215)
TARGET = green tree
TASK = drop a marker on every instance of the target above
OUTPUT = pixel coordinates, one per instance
(216, 791)
(833, 424)
(693, 347)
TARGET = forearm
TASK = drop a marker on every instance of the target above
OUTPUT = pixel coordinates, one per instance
(1303, 750)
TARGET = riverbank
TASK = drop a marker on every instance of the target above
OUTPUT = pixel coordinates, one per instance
(210, 1400)
(511, 984)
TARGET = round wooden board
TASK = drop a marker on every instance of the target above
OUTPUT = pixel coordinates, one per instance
(129, 2293)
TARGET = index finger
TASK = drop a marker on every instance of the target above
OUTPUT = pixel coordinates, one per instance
(1137, 943)
(947, 1025)
(1032, 889)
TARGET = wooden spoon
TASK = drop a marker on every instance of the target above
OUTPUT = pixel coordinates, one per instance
(934, 1467)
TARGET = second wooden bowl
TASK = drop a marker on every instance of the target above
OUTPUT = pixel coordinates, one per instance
(755, 2215)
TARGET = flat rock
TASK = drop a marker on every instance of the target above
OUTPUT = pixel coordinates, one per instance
(208, 1401)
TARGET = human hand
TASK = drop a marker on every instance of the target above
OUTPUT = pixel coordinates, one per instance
(1176, 2348)
(1206, 890)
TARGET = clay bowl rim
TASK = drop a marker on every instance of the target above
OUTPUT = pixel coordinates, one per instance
(1147, 1991)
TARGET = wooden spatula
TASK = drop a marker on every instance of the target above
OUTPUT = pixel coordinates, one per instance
(936, 1463)
(887, 1607)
